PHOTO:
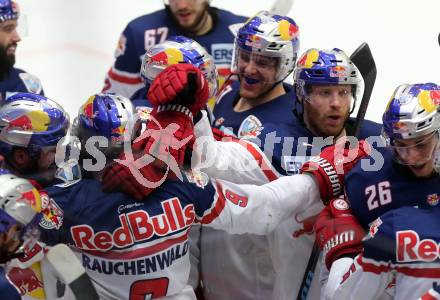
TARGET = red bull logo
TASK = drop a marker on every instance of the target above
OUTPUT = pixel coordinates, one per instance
(338, 71)
(374, 227)
(167, 57)
(308, 59)
(435, 96)
(27, 121)
(28, 281)
(427, 101)
(117, 134)
(432, 199)
(32, 198)
(400, 126)
(253, 41)
(288, 31)
(87, 110)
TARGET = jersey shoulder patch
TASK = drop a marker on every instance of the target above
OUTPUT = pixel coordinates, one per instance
(198, 178)
(31, 82)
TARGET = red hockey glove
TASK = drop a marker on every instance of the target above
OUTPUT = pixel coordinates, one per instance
(177, 93)
(120, 177)
(182, 84)
(338, 233)
(330, 167)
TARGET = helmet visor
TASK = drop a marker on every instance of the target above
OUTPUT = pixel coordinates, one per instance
(417, 151)
(257, 67)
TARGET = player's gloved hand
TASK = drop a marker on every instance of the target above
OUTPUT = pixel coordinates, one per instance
(177, 94)
(182, 84)
(330, 167)
(120, 177)
(338, 233)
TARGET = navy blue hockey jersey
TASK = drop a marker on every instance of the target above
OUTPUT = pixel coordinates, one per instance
(273, 126)
(145, 31)
(20, 81)
(250, 123)
(373, 193)
(129, 247)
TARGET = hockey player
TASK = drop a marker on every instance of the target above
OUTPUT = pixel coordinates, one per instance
(250, 161)
(19, 204)
(409, 177)
(174, 50)
(167, 85)
(324, 101)
(192, 18)
(30, 127)
(135, 249)
(265, 51)
(12, 80)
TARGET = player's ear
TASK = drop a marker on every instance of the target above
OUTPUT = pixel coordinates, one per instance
(20, 157)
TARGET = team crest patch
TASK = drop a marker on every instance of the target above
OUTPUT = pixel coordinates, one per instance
(52, 213)
(198, 178)
(143, 112)
(250, 128)
(432, 199)
(32, 83)
(120, 48)
(374, 227)
(219, 122)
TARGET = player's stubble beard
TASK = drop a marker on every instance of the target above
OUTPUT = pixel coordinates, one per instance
(7, 61)
(199, 22)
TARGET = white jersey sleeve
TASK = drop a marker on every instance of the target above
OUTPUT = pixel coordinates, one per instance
(359, 284)
(235, 160)
(259, 209)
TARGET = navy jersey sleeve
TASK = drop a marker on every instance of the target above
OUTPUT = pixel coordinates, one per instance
(201, 189)
(127, 57)
(7, 290)
(379, 244)
(66, 208)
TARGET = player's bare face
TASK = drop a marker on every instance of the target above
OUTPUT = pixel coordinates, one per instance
(9, 37)
(46, 164)
(328, 109)
(9, 242)
(417, 153)
(257, 74)
(190, 14)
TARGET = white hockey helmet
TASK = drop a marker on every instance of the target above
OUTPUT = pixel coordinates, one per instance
(268, 35)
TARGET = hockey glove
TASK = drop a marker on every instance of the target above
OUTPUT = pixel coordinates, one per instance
(330, 167)
(182, 84)
(177, 93)
(338, 233)
(121, 177)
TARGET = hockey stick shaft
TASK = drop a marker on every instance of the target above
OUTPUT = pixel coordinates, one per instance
(72, 272)
(281, 7)
(364, 61)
